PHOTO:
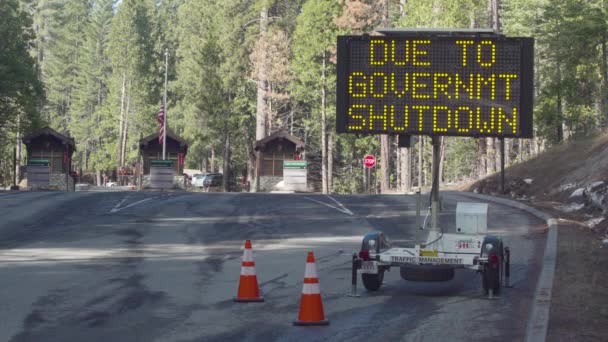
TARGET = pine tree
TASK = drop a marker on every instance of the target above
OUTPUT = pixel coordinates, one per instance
(136, 70)
(21, 92)
(314, 42)
(61, 60)
(87, 123)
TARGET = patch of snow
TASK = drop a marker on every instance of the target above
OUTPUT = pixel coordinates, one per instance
(567, 186)
(595, 185)
(570, 207)
(528, 181)
(594, 222)
(578, 193)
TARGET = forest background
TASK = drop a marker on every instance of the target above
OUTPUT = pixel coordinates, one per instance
(240, 70)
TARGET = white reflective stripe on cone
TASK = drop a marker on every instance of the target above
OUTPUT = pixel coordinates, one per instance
(248, 255)
(311, 289)
(248, 271)
(311, 271)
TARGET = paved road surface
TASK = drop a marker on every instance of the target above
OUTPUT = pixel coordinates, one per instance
(129, 266)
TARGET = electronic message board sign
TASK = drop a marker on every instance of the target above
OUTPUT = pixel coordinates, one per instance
(435, 85)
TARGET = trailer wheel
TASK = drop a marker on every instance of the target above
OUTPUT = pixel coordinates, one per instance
(372, 282)
(491, 279)
(491, 273)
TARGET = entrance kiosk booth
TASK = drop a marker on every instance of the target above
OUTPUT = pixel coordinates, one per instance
(49, 160)
(159, 173)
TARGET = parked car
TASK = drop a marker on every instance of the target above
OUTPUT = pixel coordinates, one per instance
(212, 179)
(197, 180)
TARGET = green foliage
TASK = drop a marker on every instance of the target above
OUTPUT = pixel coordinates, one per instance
(20, 89)
(444, 14)
(134, 60)
(82, 50)
(21, 92)
(89, 124)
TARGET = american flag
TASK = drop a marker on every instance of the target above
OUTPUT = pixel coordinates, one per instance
(161, 121)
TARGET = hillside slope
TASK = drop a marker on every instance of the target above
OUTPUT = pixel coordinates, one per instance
(570, 180)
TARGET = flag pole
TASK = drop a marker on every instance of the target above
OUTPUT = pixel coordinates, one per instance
(165, 105)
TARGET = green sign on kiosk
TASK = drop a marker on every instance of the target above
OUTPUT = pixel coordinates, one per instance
(38, 162)
(296, 164)
(165, 163)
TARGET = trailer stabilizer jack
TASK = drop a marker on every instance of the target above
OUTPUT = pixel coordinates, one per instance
(355, 266)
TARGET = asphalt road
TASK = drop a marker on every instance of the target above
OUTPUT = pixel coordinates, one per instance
(132, 266)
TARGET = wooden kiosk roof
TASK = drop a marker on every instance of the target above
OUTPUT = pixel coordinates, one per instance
(47, 131)
(170, 135)
(259, 145)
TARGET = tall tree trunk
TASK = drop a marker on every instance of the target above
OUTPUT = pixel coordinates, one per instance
(483, 158)
(402, 8)
(520, 150)
(384, 163)
(406, 169)
(385, 19)
(508, 148)
(604, 70)
(261, 113)
(493, 6)
(442, 158)
(251, 167)
(330, 162)
(212, 162)
(260, 117)
(490, 156)
(18, 151)
(323, 130)
(420, 149)
(123, 155)
(385, 153)
(560, 124)
(405, 154)
(497, 151)
(226, 165)
(122, 118)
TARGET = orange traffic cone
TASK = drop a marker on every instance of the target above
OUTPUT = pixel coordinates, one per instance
(311, 307)
(248, 283)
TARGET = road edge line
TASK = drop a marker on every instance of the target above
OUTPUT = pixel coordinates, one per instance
(538, 319)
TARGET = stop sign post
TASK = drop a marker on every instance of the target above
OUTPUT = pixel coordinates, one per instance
(369, 161)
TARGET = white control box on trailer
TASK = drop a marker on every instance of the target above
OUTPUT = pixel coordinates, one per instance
(471, 218)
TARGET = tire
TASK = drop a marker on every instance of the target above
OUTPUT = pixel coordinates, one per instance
(372, 282)
(426, 274)
(491, 275)
(491, 279)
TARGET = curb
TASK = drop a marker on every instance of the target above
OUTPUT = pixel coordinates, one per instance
(538, 320)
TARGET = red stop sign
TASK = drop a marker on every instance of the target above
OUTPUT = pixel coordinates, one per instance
(369, 161)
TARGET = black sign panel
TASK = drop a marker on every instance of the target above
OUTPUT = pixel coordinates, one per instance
(459, 86)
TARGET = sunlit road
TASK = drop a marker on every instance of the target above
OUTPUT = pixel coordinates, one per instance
(130, 266)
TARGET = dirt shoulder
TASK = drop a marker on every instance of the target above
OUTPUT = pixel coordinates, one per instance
(579, 302)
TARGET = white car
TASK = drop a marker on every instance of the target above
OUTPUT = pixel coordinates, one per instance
(110, 184)
(197, 180)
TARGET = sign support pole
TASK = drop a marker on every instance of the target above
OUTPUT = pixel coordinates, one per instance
(368, 181)
(436, 142)
(165, 105)
(15, 166)
(502, 165)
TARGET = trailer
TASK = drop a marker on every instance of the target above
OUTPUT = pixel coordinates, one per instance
(468, 247)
